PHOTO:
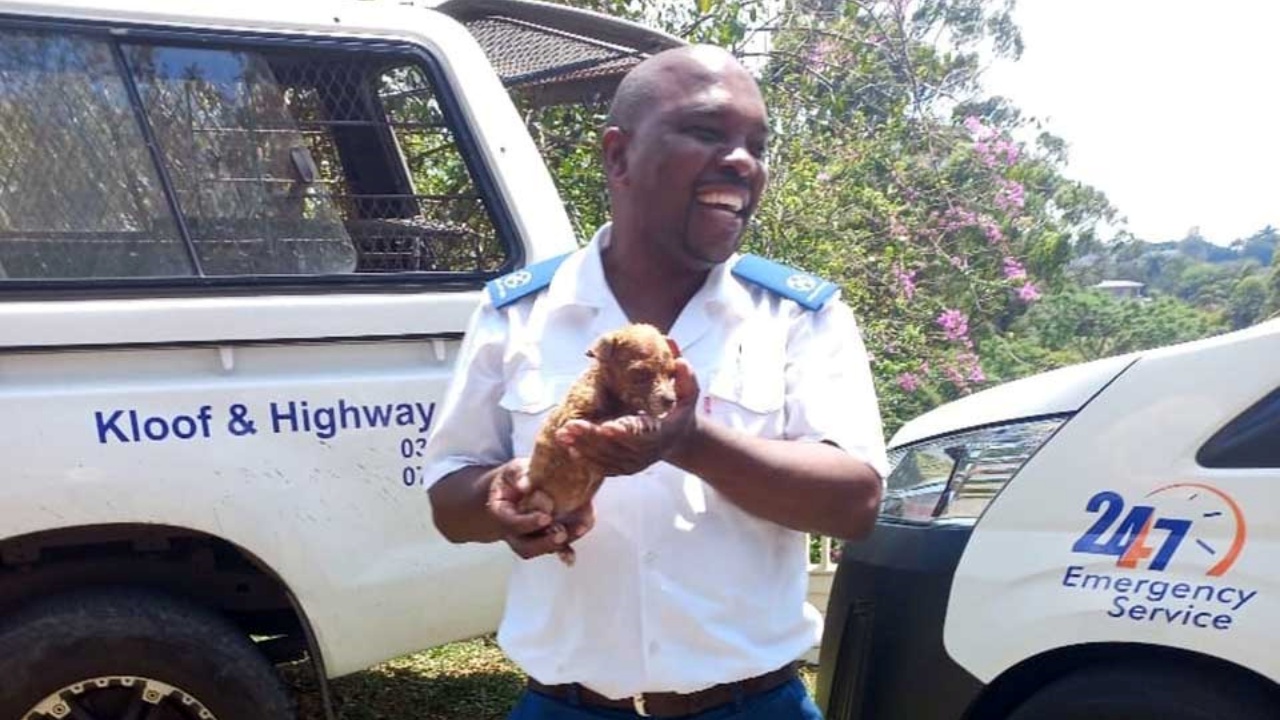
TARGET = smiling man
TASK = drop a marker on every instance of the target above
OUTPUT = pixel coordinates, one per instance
(687, 594)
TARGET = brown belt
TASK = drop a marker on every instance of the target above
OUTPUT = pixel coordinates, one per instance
(669, 704)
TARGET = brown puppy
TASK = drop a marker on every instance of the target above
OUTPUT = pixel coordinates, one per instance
(632, 373)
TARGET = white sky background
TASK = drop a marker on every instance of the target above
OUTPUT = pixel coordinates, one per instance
(1169, 107)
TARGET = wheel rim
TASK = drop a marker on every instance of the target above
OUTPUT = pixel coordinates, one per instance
(119, 697)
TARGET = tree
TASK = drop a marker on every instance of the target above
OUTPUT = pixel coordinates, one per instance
(1248, 301)
(1260, 246)
(1272, 306)
(1079, 325)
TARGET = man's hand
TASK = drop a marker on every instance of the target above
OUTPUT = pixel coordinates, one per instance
(532, 532)
(630, 444)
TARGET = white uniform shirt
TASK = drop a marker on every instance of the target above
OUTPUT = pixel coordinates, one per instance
(675, 588)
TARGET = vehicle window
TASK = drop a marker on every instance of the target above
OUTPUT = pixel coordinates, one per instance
(1251, 440)
(243, 174)
(279, 161)
(79, 194)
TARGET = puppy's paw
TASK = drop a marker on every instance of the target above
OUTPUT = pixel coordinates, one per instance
(566, 555)
(638, 424)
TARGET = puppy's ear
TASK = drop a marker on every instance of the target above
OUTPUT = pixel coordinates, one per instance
(602, 350)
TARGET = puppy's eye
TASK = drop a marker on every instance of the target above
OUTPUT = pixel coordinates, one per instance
(639, 375)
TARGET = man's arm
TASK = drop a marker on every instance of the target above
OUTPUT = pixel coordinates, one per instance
(480, 504)
(804, 485)
(810, 486)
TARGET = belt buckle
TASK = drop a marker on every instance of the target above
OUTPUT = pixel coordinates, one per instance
(637, 701)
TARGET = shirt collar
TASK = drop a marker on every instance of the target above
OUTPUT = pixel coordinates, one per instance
(581, 281)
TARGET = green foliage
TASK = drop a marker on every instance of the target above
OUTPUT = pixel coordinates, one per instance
(1231, 280)
(1248, 301)
(1079, 325)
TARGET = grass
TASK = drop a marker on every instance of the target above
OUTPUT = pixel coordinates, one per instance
(470, 680)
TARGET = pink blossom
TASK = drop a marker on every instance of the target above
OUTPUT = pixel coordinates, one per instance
(906, 281)
(823, 176)
(1007, 149)
(960, 218)
(1028, 293)
(991, 149)
(955, 324)
(908, 381)
(822, 51)
(992, 231)
(1011, 195)
(967, 369)
(1013, 270)
(957, 218)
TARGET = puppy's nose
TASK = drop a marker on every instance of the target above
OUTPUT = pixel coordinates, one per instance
(667, 398)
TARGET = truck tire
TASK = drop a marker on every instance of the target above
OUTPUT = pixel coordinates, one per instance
(111, 654)
(1147, 692)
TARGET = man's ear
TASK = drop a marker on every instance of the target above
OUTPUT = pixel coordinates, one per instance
(614, 147)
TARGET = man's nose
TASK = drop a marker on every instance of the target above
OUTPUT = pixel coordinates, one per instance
(740, 160)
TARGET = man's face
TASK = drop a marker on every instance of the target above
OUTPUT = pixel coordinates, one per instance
(695, 170)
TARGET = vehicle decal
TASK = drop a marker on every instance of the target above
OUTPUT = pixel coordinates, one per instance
(1186, 529)
(130, 425)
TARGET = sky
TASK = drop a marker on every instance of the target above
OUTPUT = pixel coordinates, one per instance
(1169, 107)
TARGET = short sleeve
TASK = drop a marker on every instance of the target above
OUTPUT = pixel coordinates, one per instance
(472, 428)
(830, 395)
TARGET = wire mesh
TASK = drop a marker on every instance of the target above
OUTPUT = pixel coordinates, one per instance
(73, 164)
(289, 161)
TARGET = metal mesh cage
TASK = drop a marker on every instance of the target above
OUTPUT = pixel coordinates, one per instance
(553, 54)
(74, 164)
(523, 53)
(281, 161)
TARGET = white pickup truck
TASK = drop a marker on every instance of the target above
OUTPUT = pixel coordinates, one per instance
(239, 244)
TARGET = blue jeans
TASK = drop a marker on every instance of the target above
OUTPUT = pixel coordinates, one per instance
(789, 701)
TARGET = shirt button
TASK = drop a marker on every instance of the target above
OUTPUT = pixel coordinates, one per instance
(654, 647)
(649, 557)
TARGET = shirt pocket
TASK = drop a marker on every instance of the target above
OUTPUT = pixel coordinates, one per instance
(530, 396)
(529, 399)
(748, 393)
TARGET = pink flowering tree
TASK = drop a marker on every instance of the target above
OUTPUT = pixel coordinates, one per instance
(892, 174)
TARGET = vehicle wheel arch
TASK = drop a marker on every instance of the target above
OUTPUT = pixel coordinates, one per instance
(171, 559)
(1018, 683)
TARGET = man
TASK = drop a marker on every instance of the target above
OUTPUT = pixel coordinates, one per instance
(688, 591)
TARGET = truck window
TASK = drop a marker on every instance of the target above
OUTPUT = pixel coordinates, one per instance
(1251, 440)
(79, 195)
(267, 161)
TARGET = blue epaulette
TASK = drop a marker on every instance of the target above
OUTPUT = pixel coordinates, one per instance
(526, 281)
(810, 291)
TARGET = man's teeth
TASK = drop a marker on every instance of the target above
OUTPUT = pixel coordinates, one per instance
(731, 201)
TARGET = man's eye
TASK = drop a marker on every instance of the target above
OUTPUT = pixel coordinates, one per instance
(705, 134)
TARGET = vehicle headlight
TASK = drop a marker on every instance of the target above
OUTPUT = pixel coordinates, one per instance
(956, 476)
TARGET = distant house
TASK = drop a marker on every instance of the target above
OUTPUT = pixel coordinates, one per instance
(1121, 288)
